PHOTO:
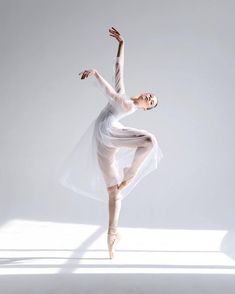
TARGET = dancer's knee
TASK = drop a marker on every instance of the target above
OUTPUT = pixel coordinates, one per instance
(114, 193)
(112, 189)
(149, 141)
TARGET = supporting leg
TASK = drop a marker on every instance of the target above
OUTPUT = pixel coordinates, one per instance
(114, 208)
(114, 212)
(133, 138)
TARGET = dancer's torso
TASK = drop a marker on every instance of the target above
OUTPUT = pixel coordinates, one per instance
(113, 112)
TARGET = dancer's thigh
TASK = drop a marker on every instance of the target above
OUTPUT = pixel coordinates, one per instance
(107, 163)
(130, 137)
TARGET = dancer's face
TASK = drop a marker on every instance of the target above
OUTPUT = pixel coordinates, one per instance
(147, 100)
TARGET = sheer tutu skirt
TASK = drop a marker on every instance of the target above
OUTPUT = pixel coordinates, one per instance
(100, 156)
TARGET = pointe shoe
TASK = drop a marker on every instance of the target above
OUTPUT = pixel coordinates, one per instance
(112, 241)
(127, 177)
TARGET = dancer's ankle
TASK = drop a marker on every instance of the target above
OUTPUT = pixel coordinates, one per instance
(112, 230)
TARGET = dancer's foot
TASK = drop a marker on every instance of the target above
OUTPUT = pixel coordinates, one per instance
(126, 178)
(112, 240)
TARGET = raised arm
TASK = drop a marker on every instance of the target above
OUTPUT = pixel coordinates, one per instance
(119, 70)
(119, 63)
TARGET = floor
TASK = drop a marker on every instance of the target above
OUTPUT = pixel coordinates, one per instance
(47, 257)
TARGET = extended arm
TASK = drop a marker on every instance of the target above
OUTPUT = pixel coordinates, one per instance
(109, 90)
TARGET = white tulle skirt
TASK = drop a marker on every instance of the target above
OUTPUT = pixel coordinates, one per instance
(81, 171)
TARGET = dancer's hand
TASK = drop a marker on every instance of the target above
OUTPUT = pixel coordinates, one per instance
(87, 73)
(114, 33)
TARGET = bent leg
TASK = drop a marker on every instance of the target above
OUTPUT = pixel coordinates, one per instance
(142, 140)
(140, 154)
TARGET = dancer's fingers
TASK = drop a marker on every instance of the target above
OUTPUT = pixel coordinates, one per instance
(113, 31)
(81, 72)
(86, 73)
(83, 75)
(115, 36)
(116, 30)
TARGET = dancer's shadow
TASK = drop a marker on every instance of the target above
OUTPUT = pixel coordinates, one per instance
(78, 253)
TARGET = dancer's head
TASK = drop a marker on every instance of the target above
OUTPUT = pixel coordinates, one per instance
(146, 100)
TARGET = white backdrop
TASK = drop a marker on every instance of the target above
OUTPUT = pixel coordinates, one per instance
(181, 50)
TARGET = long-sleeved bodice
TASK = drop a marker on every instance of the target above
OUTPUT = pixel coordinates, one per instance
(114, 111)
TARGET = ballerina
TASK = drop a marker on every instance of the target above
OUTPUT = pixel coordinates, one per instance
(108, 138)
